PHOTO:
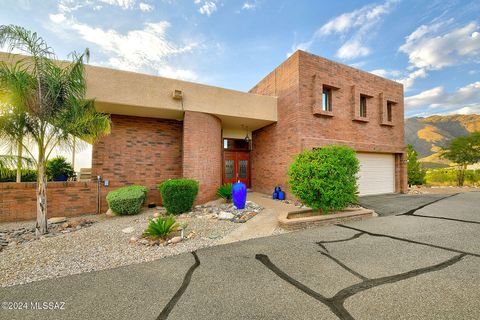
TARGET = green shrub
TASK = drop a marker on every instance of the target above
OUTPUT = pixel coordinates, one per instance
(10, 175)
(448, 177)
(178, 195)
(127, 200)
(225, 191)
(325, 178)
(58, 167)
(161, 227)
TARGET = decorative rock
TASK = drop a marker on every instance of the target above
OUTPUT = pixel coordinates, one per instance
(175, 240)
(109, 213)
(133, 239)
(57, 220)
(128, 230)
(224, 215)
(156, 214)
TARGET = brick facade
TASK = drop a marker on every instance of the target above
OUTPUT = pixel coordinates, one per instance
(18, 201)
(143, 151)
(302, 124)
(203, 152)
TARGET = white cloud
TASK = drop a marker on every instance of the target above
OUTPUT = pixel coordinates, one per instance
(57, 18)
(436, 100)
(249, 6)
(207, 7)
(355, 27)
(386, 73)
(145, 7)
(144, 50)
(411, 77)
(124, 4)
(426, 48)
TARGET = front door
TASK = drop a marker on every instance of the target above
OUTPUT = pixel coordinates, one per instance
(236, 167)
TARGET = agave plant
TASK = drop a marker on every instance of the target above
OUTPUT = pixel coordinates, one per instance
(225, 191)
(161, 227)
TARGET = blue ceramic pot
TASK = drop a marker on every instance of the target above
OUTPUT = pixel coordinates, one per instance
(239, 195)
(60, 178)
(275, 195)
(278, 189)
(281, 195)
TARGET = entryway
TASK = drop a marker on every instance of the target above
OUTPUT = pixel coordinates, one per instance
(236, 161)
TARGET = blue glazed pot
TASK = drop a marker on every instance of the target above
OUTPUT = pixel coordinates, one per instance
(275, 195)
(278, 189)
(281, 195)
(239, 195)
(60, 178)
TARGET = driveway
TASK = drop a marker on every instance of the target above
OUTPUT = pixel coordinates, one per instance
(424, 265)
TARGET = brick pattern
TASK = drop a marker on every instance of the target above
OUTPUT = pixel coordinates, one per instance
(203, 152)
(297, 83)
(143, 151)
(18, 201)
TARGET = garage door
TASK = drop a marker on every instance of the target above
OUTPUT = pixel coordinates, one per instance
(377, 173)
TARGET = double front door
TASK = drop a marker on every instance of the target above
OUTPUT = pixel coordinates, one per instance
(236, 167)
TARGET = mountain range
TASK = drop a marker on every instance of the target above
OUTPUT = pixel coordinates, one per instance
(428, 135)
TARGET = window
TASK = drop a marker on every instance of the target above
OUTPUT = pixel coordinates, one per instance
(363, 106)
(327, 99)
(389, 111)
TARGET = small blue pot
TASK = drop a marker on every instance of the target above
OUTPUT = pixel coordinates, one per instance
(281, 195)
(275, 195)
(278, 189)
(239, 195)
(60, 178)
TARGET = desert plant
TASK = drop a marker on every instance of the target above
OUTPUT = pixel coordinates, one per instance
(178, 195)
(58, 167)
(161, 227)
(416, 174)
(127, 200)
(325, 178)
(225, 191)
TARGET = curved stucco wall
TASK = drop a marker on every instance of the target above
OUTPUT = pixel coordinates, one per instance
(202, 152)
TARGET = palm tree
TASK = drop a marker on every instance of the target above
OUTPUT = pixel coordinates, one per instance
(55, 104)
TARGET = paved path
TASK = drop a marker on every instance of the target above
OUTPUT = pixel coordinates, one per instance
(424, 265)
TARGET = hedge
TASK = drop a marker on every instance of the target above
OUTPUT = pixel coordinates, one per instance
(10, 175)
(127, 200)
(178, 195)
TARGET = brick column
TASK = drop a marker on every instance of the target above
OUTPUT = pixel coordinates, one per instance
(202, 152)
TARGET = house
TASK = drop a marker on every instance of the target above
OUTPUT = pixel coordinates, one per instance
(164, 128)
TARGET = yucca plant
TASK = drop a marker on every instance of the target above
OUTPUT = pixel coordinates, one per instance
(225, 191)
(161, 227)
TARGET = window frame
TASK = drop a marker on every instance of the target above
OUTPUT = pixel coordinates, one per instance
(390, 111)
(363, 108)
(328, 107)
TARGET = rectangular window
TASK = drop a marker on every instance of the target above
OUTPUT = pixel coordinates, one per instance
(327, 99)
(389, 111)
(363, 106)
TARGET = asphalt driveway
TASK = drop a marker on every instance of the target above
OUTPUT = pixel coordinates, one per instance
(419, 265)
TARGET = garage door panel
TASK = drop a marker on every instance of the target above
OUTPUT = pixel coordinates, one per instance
(377, 173)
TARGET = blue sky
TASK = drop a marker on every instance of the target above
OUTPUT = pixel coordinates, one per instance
(432, 47)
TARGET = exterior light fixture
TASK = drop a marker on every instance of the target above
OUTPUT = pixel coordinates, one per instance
(247, 138)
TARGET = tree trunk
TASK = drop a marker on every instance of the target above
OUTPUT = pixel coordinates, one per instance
(19, 161)
(73, 152)
(41, 226)
(461, 175)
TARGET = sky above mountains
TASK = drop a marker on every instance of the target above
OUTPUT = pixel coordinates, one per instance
(432, 47)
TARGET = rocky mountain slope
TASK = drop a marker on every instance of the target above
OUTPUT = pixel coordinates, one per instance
(428, 135)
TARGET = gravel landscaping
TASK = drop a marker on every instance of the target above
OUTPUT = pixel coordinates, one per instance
(104, 244)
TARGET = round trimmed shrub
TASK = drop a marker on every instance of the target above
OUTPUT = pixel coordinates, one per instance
(325, 178)
(178, 195)
(127, 200)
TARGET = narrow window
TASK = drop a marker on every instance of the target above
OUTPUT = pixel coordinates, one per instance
(363, 106)
(389, 111)
(327, 99)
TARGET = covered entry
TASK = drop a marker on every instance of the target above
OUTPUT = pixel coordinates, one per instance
(236, 161)
(377, 173)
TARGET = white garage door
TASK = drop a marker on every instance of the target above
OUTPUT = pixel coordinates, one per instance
(377, 173)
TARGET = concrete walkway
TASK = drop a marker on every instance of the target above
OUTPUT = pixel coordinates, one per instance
(264, 223)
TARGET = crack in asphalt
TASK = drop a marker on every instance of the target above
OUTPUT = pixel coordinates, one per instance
(186, 281)
(441, 218)
(412, 211)
(336, 303)
(373, 234)
(344, 266)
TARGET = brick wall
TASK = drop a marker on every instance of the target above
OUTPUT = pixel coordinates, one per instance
(143, 151)
(18, 201)
(202, 152)
(298, 83)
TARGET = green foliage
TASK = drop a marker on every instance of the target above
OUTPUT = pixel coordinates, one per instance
(463, 151)
(416, 174)
(127, 200)
(325, 178)
(161, 227)
(178, 194)
(225, 191)
(448, 177)
(58, 167)
(10, 175)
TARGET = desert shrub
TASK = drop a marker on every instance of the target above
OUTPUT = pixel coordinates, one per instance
(58, 167)
(10, 175)
(127, 200)
(225, 191)
(325, 178)
(161, 227)
(178, 195)
(448, 177)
